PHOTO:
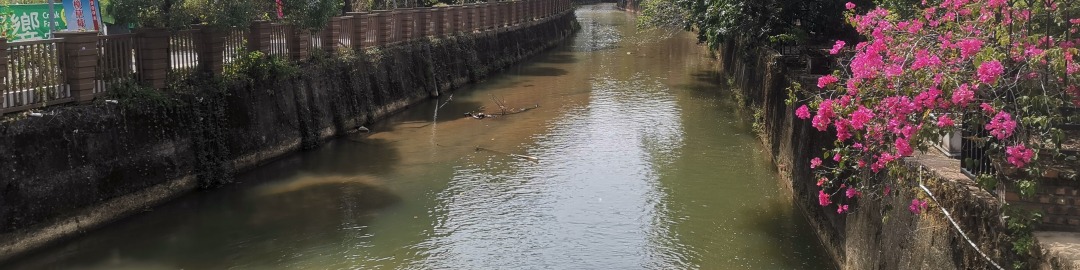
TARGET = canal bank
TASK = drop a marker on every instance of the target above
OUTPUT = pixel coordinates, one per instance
(881, 233)
(74, 169)
(642, 161)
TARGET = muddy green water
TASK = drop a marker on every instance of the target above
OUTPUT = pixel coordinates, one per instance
(644, 162)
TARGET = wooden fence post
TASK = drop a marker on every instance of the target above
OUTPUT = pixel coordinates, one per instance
(530, 10)
(485, 16)
(331, 34)
(299, 42)
(438, 16)
(211, 49)
(516, 6)
(408, 23)
(3, 73)
(80, 63)
(382, 28)
(152, 53)
(457, 15)
(359, 28)
(258, 38)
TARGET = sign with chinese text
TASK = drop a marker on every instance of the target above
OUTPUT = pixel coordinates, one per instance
(28, 22)
(82, 15)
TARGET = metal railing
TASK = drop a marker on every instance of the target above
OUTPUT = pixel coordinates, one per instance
(279, 36)
(34, 74)
(116, 61)
(235, 44)
(183, 53)
(974, 143)
(37, 73)
(344, 38)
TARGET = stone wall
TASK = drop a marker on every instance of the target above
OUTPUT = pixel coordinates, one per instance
(79, 167)
(881, 233)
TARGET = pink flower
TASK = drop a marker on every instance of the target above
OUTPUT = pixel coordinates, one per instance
(837, 47)
(987, 108)
(814, 163)
(837, 157)
(824, 115)
(823, 198)
(826, 81)
(944, 121)
(995, 3)
(886, 191)
(843, 130)
(1019, 155)
(963, 95)
(989, 72)
(840, 209)
(802, 112)
(822, 181)
(820, 122)
(852, 192)
(917, 206)
(1001, 126)
(923, 58)
(860, 117)
(849, 5)
(969, 47)
(903, 147)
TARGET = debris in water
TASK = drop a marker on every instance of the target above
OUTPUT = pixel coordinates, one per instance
(529, 158)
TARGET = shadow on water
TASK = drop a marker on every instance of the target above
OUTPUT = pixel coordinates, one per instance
(241, 223)
(422, 114)
(777, 221)
(707, 84)
(539, 71)
(347, 158)
(561, 58)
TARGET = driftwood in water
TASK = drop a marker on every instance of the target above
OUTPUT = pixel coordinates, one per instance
(529, 158)
(503, 110)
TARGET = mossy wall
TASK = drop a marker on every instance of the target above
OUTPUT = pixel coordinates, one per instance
(82, 166)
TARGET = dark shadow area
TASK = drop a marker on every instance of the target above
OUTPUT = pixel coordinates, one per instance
(422, 113)
(539, 71)
(240, 224)
(558, 59)
(804, 251)
(350, 155)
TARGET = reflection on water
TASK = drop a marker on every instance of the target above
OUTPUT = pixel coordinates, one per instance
(642, 164)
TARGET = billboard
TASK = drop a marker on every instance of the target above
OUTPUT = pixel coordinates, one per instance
(31, 21)
(82, 15)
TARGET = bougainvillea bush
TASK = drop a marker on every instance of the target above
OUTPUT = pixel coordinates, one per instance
(1006, 67)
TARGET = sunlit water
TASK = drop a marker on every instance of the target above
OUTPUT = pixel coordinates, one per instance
(643, 163)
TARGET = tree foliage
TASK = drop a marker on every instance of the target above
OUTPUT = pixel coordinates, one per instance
(754, 22)
(310, 14)
(179, 14)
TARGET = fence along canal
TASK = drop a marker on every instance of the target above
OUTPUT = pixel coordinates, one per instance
(80, 66)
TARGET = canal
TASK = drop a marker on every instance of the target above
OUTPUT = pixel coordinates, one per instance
(642, 160)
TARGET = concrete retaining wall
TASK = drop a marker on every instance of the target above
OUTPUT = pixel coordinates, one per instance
(880, 234)
(80, 167)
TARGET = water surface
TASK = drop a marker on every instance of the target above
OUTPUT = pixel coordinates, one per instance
(643, 162)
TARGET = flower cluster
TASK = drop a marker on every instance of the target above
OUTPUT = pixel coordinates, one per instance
(957, 64)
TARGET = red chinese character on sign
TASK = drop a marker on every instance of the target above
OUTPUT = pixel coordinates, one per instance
(94, 15)
(79, 20)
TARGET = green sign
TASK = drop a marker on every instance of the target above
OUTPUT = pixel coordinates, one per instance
(28, 22)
